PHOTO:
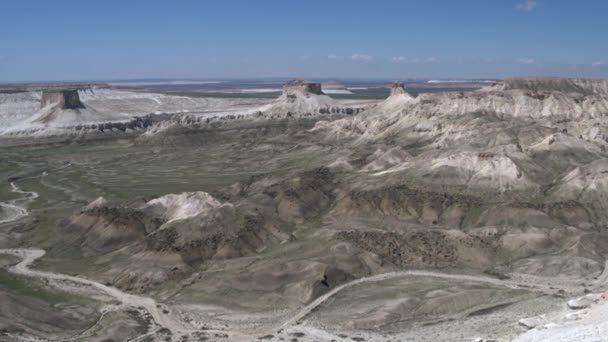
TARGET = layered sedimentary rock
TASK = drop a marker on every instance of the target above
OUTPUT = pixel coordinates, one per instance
(61, 99)
(304, 99)
(291, 87)
(398, 88)
(74, 111)
(502, 137)
(559, 100)
(547, 84)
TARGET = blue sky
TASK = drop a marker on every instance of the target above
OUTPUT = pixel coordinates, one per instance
(101, 40)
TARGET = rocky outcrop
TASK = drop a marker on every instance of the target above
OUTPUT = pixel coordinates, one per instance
(61, 99)
(291, 87)
(552, 84)
(303, 99)
(571, 103)
(398, 88)
(134, 124)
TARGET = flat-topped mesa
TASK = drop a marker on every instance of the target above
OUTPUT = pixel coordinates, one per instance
(303, 86)
(61, 99)
(398, 88)
(301, 99)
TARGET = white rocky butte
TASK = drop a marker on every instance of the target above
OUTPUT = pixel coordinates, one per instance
(371, 121)
(303, 99)
(182, 206)
(398, 98)
(30, 113)
(63, 108)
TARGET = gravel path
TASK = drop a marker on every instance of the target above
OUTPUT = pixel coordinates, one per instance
(386, 276)
(16, 207)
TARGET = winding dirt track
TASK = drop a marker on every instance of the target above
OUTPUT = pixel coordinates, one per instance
(31, 254)
(14, 206)
(176, 325)
(386, 276)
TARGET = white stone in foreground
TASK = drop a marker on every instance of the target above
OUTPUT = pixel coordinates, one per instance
(589, 325)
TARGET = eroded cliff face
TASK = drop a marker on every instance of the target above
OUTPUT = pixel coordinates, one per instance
(61, 99)
(398, 88)
(552, 84)
(302, 98)
(293, 86)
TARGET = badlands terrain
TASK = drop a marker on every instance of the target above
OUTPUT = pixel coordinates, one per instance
(135, 213)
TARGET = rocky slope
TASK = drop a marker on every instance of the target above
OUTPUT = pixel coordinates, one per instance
(583, 320)
(552, 84)
(270, 215)
(71, 110)
(89, 111)
(61, 99)
(497, 137)
(304, 99)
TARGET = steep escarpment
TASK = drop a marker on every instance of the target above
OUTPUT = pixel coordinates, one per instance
(556, 100)
(86, 110)
(500, 137)
(294, 86)
(552, 84)
(300, 106)
(61, 99)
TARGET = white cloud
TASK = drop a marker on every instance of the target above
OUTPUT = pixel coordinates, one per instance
(526, 61)
(413, 60)
(527, 6)
(403, 59)
(335, 58)
(598, 64)
(361, 58)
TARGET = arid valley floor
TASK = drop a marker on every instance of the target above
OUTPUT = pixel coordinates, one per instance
(472, 214)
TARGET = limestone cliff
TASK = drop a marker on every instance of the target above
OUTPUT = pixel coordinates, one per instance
(61, 99)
